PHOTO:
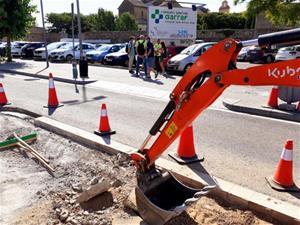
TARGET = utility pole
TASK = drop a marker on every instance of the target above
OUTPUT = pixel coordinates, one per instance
(79, 30)
(45, 38)
(74, 64)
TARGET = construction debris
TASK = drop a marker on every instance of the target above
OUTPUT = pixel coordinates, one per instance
(10, 142)
(93, 190)
(37, 155)
(134, 220)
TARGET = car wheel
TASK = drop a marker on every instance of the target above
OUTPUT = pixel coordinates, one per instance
(69, 58)
(187, 67)
(269, 59)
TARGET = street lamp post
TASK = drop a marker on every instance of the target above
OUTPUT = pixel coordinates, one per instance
(74, 65)
(45, 38)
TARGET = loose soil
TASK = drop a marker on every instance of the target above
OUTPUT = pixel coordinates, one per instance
(30, 195)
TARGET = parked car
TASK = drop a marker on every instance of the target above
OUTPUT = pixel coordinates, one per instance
(242, 56)
(117, 58)
(27, 50)
(3, 49)
(65, 53)
(259, 54)
(99, 54)
(16, 48)
(185, 59)
(287, 53)
(40, 53)
(172, 51)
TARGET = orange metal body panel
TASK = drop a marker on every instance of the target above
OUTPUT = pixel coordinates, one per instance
(216, 60)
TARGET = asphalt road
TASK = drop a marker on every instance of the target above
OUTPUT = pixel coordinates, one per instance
(237, 147)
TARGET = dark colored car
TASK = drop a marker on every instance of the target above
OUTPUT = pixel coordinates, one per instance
(28, 49)
(171, 51)
(99, 54)
(258, 54)
(117, 58)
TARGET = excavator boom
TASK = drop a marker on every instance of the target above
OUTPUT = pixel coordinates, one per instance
(203, 83)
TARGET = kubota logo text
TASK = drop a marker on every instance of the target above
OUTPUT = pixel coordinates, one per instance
(288, 71)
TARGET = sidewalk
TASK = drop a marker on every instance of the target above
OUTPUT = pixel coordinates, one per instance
(39, 70)
(258, 106)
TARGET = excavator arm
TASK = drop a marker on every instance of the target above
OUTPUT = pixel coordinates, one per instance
(202, 84)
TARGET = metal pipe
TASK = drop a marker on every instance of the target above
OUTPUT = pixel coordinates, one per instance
(79, 30)
(250, 42)
(45, 38)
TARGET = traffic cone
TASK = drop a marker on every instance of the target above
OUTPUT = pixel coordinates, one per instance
(283, 177)
(3, 99)
(273, 98)
(104, 128)
(186, 151)
(52, 97)
(298, 107)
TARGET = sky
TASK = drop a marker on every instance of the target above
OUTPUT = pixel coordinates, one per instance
(91, 6)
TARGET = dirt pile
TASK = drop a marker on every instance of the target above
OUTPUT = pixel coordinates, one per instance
(30, 195)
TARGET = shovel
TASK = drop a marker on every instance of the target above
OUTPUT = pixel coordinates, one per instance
(165, 198)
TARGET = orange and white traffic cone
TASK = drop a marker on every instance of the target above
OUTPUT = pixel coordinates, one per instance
(52, 97)
(186, 151)
(273, 98)
(3, 99)
(283, 177)
(104, 128)
(298, 107)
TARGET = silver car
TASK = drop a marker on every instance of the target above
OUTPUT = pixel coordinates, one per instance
(185, 59)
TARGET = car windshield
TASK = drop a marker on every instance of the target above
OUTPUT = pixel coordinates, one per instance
(54, 45)
(67, 46)
(189, 50)
(290, 48)
(123, 50)
(104, 48)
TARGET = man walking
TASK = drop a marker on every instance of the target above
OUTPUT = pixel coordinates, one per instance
(130, 49)
(141, 47)
(150, 58)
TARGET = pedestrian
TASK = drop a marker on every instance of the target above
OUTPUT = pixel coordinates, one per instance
(141, 46)
(130, 49)
(163, 56)
(157, 56)
(150, 58)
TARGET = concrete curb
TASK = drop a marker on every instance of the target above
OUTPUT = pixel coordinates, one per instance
(18, 110)
(65, 80)
(232, 193)
(295, 117)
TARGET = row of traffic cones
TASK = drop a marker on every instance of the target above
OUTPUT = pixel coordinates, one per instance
(273, 99)
(104, 127)
(281, 181)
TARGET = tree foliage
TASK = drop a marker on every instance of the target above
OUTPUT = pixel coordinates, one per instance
(126, 22)
(103, 20)
(224, 21)
(279, 12)
(15, 19)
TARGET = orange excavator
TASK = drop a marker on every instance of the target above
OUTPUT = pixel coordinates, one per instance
(159, 195)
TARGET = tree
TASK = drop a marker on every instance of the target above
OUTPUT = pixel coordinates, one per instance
(279, 12)
(104, 20)
(126, 22)
(223, 21)
(15, 20)
(62, 22)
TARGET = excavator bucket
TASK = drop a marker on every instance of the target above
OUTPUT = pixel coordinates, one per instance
(165, 199)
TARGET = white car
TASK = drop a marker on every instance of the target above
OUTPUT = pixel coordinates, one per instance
(287, 53)
(40, 53)
(16, 48)
(185, 59)
(65, 53)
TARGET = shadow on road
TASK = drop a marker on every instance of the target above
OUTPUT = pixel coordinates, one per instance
(14, 65)
(76, 102)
